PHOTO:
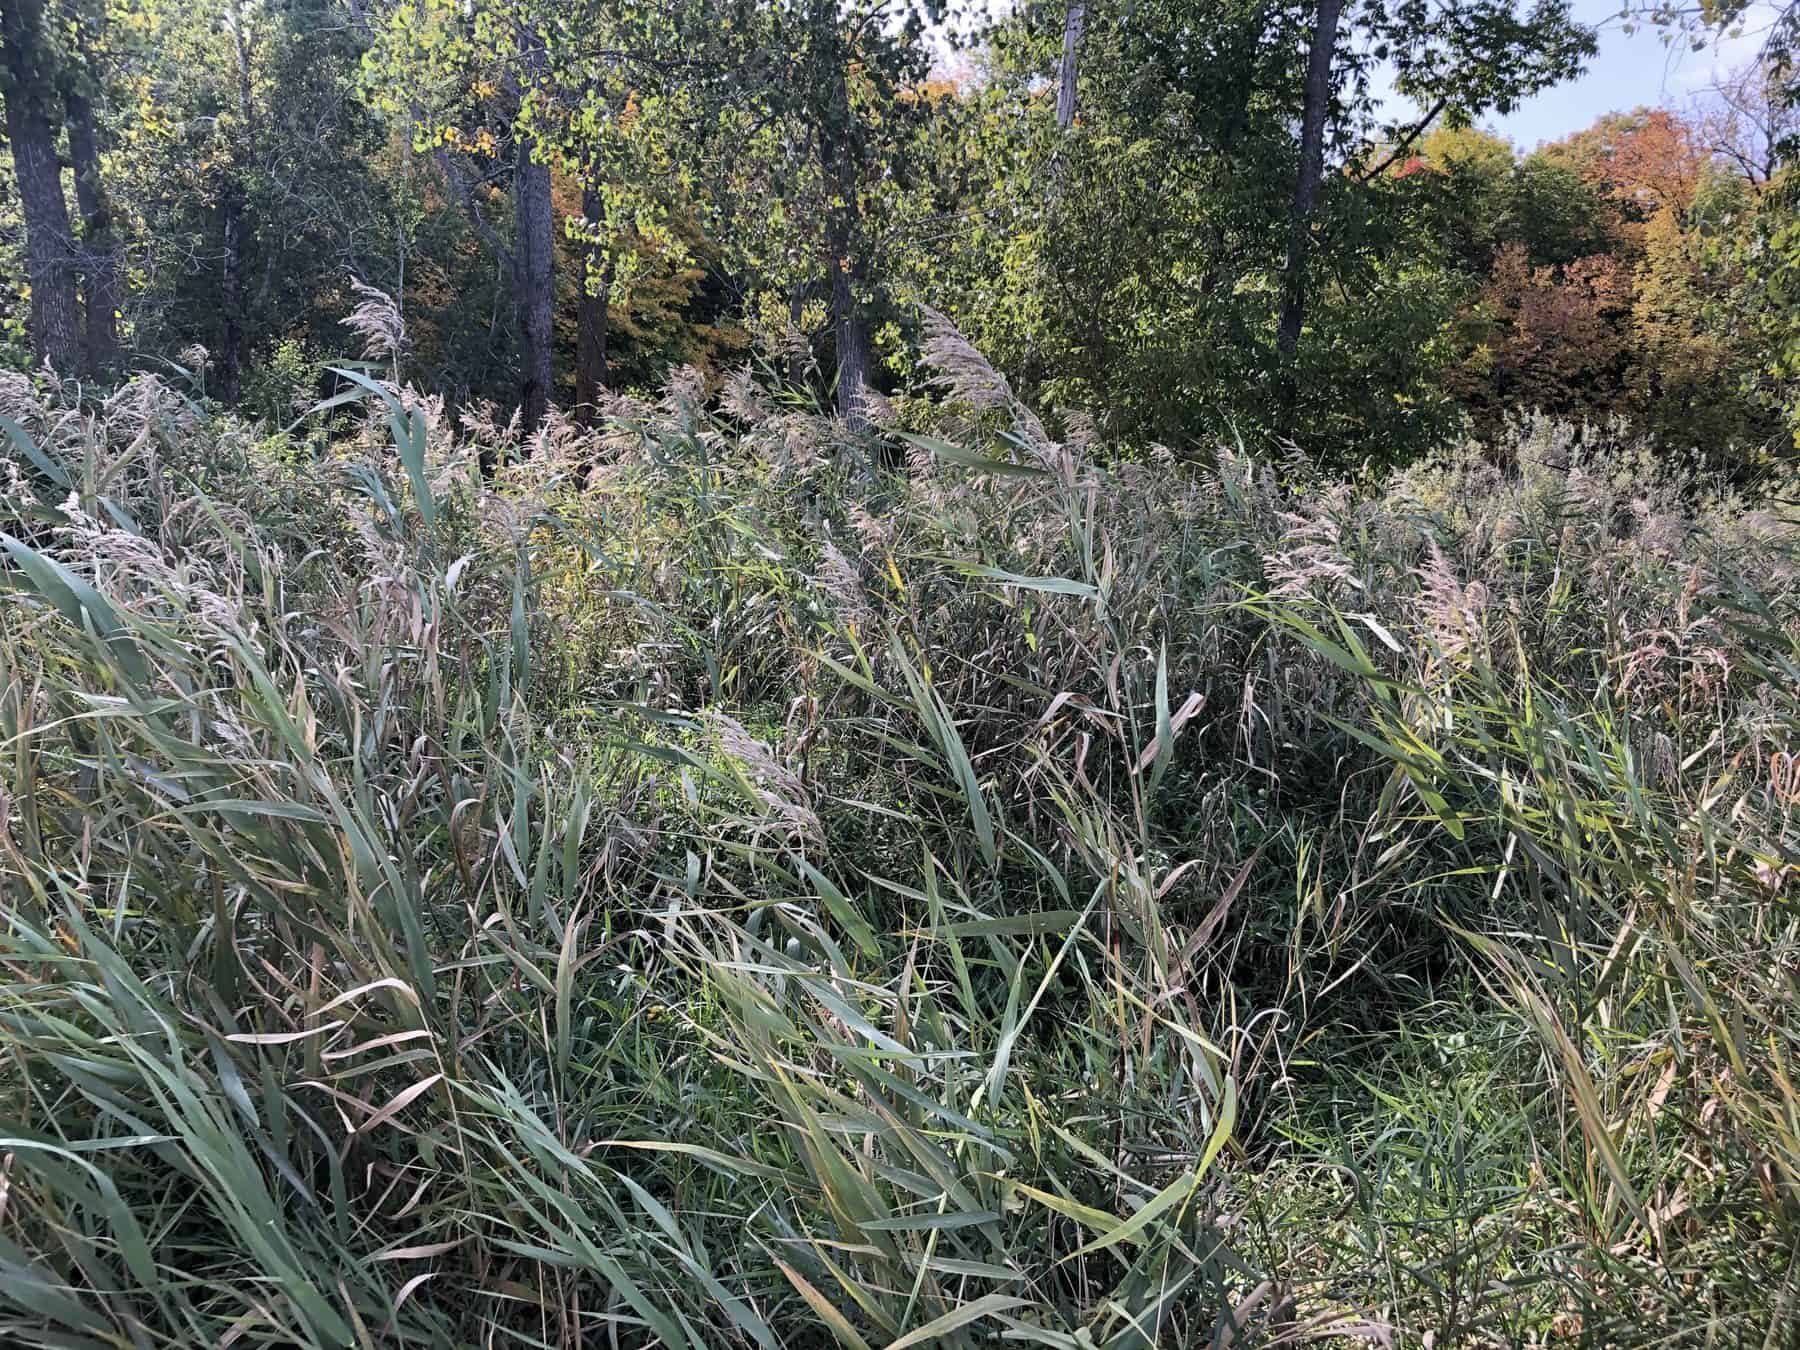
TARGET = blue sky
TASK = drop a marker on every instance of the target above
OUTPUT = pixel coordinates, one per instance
(1632, 70)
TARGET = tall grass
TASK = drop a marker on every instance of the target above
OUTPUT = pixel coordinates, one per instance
(696, 888)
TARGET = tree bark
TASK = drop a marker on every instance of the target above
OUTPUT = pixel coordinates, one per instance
(1074, 24)
(534, 281)
(1312, 169)
(590, 334)
(235, 226)
(99, 249)
(851, 330)
(844, 265)
(50, 247)
(231, 295)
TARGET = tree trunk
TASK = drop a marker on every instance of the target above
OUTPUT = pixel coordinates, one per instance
(845, 266)
(231, 295)
(234, 227)
(1312, 170)
(534, 282)
(1074, 23)
(50, 248)
(590, 335)
(851, 330)
(99, 250)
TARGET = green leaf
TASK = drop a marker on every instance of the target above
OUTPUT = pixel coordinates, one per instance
(77, 601)
(408, 430)
(972, 459)
(1048, 585)
(42, 462)
(985, 1306)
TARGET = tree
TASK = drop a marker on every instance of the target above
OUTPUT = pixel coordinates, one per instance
(257, 189)
(1228, 248)
(1747, 118)
(1644, 162)
(1606, 264)
(827, 131)
(1547, 338)
(1452, 59)
(1680, 377)
(1312, 168)
(28, 63)
(83, 83)
(628, 115)
(517, 91)
(235, 223)
(534, 273)
(437, 65)
(596, 296)
(1555, 213)
(1068, 73)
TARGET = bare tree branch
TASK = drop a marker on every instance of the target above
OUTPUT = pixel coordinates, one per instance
(1405, 143)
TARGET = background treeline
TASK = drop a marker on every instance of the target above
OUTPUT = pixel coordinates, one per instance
(1175, 219)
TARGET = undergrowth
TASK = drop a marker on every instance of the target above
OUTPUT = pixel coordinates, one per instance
(701, 887)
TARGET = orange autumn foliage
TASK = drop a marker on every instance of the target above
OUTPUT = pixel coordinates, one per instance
(1548, 337)
(1643, 162)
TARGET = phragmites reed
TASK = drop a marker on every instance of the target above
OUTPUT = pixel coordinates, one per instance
(1452, 611)
(377, 320)
(964, 375)
(838, 578)
(776, 787)
(670, 889)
